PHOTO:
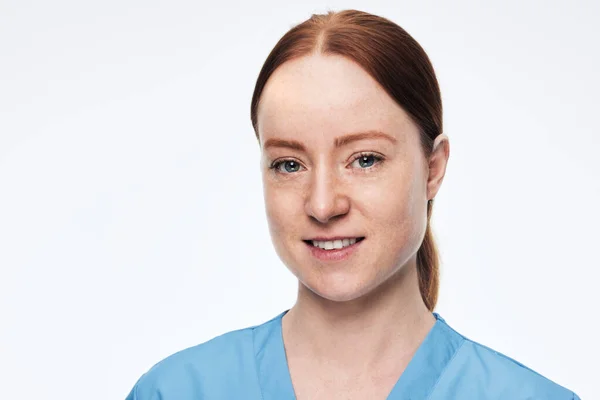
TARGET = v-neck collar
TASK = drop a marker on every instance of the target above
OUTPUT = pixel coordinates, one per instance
(271, 362)
(416, 382)
(428, 363)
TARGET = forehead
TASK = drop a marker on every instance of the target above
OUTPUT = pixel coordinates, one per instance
(326, 96)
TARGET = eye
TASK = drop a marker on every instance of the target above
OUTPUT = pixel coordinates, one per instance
(289, 166)
(367, 160)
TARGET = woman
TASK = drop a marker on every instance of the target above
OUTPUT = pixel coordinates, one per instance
(348, 115)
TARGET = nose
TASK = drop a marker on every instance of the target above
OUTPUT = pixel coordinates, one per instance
(326, 199)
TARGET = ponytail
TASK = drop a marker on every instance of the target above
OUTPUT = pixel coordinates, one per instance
(428, 265)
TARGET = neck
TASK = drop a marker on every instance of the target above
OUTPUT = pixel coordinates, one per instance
(386, 325)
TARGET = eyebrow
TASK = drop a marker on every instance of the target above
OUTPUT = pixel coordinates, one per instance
(338, 142)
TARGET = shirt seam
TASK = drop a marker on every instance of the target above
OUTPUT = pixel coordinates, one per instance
(256, 366)
(515, 362)
(498, 353)
(445, 370)
(502, 355)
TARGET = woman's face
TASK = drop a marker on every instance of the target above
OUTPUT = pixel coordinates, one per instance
(340, 159)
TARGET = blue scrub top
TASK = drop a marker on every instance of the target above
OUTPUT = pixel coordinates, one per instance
(251, 364)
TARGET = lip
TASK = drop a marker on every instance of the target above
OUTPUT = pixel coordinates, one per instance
(334, 255)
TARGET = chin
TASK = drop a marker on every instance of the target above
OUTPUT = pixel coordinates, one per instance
(339, 290)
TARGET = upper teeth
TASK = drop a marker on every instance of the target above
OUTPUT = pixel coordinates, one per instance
(333, 244)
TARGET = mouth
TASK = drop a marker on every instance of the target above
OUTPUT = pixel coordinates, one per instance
(333, 251)
(333, 244)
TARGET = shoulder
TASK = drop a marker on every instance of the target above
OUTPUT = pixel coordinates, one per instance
(188, 372)
(201, 370)
(481, 368)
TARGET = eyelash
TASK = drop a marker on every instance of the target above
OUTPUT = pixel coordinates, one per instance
(378, 160)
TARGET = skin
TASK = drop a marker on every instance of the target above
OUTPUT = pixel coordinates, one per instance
(356, 323)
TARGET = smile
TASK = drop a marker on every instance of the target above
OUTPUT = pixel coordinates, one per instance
(334, 244)
(336, 250)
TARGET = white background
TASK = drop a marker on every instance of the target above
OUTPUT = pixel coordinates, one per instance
(132, 221)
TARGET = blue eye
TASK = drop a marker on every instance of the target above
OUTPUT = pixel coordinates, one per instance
(289, 166)
(367, 160)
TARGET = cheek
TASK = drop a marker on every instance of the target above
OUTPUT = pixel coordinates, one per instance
(393, 206)
(284, 213)
(282, 208)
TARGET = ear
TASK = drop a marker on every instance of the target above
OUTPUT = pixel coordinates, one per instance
(437, 164)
